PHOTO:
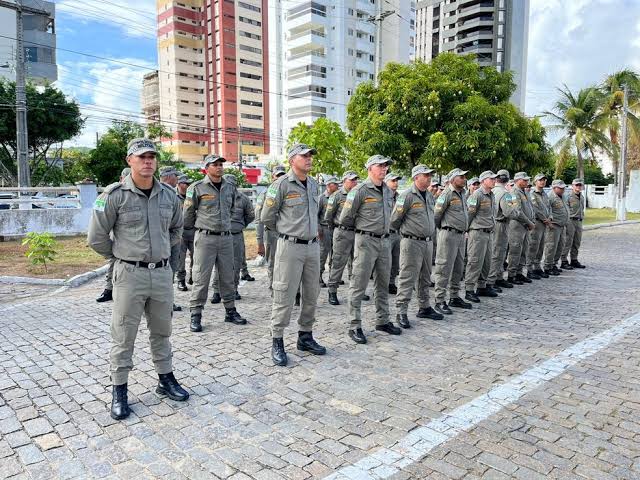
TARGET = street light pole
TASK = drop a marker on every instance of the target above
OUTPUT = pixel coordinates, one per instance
(22, 140)
(622, 173)
(378, 19)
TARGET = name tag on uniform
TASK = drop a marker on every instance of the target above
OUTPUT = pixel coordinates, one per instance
(370, 200)
(293, 195)
(207, 196)
(455, 201)
(485, 203)
(417, 205)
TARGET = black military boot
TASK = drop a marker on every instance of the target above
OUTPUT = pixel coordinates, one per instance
(278, 355)
(232, 316)
(247, 277)
(182, 286)
(196, 322)
(566, 266)
(523, 279)
(322, 284)
(306, 343)
(458, 302)
(487, 291)
(495, 288)
(177, 308)
(393, 290)
(169, 386)
(576, 264)
(472, 297)
(403, 320)
(556, 269)
(119, 402)
(333, 298)
(366, 297)
(216, 298)
(533, 276)
(357, 336)
(504, 283)
(389, 328)
(429, 312)
(442, 307)
(105, 296)
(237, 296)
(541, 273)
(515, 281)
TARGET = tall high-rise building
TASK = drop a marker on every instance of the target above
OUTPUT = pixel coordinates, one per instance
(322, 50)
(496, 31)
(213, 76)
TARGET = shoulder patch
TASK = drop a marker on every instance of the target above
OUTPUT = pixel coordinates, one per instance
(400, 201)
(99, 204)
(190, 192)
(110, 188)
(332, 200)
(473, 200)
(441, 200)
(352, 194)
(270, 202)
(272, 191)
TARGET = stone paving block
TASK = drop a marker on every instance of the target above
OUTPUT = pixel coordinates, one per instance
(29, 454)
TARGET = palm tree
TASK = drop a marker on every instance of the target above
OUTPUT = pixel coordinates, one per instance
(612, 88)
(581, 119)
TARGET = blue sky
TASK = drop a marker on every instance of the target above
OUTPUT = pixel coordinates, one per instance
(576, 42)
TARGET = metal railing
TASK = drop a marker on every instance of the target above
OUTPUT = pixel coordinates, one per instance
(40, 197)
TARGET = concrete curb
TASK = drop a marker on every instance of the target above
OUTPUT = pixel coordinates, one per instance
(71, 282)
(611, 224)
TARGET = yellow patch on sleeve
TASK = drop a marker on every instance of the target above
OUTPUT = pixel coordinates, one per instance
(417, 205)
(455, 201)
(207, 196)
(270, 202)
(399, 209)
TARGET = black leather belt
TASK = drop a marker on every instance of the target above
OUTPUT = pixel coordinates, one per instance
(486, 230)
(371, 234)
(576, 218)
(452, 229)
(413, 237)
(289, 238)
(150, 266)
(211, 232)
(347, 229)
(502, 221)
(236, 233)
(188, 229)
(392, 231)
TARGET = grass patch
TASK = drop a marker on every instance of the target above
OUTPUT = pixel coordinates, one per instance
(594, 216)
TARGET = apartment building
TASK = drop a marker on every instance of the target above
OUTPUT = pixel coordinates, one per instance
(213, 78)
(323, 50)
(495, 31)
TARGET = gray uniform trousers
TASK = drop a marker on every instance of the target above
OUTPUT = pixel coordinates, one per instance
(238, 248)
(343, 241)
(243, 267)
(370, 254)
(518, 244)
(573, 240)
(296, 265)
(552, 245)
(108, 278)
(479, 253)
(326, 243)
(210, 251)
(394, 246)
(449, 264)
(415, 265)
(174, 258)
(185, 246)
(536, 247)
(270, 247)
(138, 290)
(499, 252)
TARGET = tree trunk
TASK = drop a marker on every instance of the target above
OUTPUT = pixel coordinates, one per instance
(580, 165)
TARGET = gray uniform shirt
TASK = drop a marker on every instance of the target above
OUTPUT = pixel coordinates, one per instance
(290, 208)
(499, 193)
(207, 208)
(559, 209)
(127, 225)
(334, 207)
(541, 206)
(257, 213)
(481, 207)
(242, 213)
(451, 210)
(322, 208)
(519, 207)
(576, 205)
(413, 214)
(367, 208)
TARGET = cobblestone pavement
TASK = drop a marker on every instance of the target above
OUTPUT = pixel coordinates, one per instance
(248, 419)
(21, 291)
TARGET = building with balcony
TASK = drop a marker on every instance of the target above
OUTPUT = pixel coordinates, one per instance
(213, 78)
(495, 31)
(322, 51)
(151, 97)
(39, 43)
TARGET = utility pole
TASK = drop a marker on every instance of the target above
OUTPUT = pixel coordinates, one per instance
(622, 174)
(378, 19)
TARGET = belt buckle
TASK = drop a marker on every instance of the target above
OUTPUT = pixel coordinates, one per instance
(151, 266)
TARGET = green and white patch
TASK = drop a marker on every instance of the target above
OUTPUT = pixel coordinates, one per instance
(441, 200)
(190, 193)
(99, 204)
(332, 200)
(400, 201)
(272, 192)
(351, 195)
(473, 201)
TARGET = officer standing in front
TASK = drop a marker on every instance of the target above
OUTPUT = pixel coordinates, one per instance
(208, 208)
(136, 222)
(392, 179)
(500, 234)
(325, 230)
(291, 209)
(480, 205)
(413, 217)
(520, 214)
(576, 202)
(452, 219)
(542, 212)
(368, 210)
(186, 245)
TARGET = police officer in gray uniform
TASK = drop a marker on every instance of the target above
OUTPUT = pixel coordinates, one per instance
(291, 209)
(500, 234)
(265, 238)
(208, 208)
(137, 222)
(169, 176)
(520, 214)
(553, 242)
(481, 207)
(452, 218)
(188, 235)
(392, 179)
(542, 211)
(413, 217)
(107, 293)
(368, 210)
(241, 216)
(325, 230)
(343, 237)
(576, 202)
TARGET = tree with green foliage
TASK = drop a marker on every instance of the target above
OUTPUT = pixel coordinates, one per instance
(109, 157)
(328, 138)
(41, 248)
(448, 113)
(52, 119)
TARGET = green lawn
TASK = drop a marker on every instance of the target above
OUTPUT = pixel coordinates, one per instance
(605, 215)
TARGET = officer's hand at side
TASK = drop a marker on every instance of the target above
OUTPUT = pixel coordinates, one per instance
(261, 249)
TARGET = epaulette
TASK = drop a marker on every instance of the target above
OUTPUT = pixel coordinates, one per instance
(111, 188)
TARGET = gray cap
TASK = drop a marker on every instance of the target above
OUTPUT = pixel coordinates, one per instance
(349, 175)
(279, 170)
(435, 183)
(184, 179)
(473, 180)
(504, 173)
(212, 159)
(487, 174)
(300, 149)
(418, 169)
(511, 183)
(377, 160)
(331, 179)
(169, 170)
(125, 172)
(577, 181)
(558, 183)
(521, 176)
(231, 179)
(456, 172)
(138, 146)
(539, 176)
(392, 176)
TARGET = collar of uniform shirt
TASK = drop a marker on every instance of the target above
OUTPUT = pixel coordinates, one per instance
(207, 179)
(294, 178)
(128, 184)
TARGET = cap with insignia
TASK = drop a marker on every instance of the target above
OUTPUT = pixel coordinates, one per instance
(331, 179)
(456, 172)
(558, 183)
(377, 160)
(539, 176)
(392, 176)
(504, 173)
(125, 172)
(166, 171)
(487, 174)
(418, 169)
(279, 170)
(231, 179)
(184, 179)
(473, 180)
(300, 149)
(349, 175)
(209, 159)
(577, 181)
(138, 146)
(521, 176)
